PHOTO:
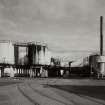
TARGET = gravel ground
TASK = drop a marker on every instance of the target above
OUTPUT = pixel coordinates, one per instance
(44, 91)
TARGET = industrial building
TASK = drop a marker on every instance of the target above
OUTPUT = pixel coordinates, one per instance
(23, 59)
(98, 61)
(33, 59)
(97, 64)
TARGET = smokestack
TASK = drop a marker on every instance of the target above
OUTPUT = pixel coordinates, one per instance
(101, 35)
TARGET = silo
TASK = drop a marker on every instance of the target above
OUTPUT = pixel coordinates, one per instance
(47, 56)
(32, 54)
(6, 52)
(16, 54)
(42, 55)
(38, 54)
(93, 62)
(101, 63)
(21, 54)
(23, 58)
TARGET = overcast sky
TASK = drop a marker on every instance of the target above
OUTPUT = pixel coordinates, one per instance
(65, 25)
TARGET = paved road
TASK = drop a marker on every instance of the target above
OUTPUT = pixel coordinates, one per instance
(52, 92)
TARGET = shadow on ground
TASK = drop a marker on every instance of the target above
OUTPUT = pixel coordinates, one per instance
(92, 91)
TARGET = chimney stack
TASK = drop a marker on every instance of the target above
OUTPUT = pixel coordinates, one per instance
(101, 35)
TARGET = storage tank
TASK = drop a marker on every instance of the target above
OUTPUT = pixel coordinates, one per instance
(47, 56)
(42, 55)
(93, 62)
(101, 63)
(97, 62)
(6, 52)
(38, 54)
(21, 54)
(32, 54)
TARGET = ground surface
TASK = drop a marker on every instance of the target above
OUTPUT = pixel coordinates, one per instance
(44, 91)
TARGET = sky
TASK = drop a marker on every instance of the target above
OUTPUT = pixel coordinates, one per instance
(69, 27)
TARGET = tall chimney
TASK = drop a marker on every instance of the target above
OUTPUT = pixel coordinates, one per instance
(101, 35)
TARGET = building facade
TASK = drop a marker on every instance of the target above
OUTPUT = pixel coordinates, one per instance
(26, 59)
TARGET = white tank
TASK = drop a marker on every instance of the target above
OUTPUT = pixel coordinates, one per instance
(101, 63)
(47, 56)
(6, 52)
(38, 54)
(22, 54)
(42, 56)
(36, 57)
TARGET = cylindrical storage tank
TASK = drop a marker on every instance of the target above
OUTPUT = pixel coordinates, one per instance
(21, 55)
(101, 62)
(47, 56)
(42, 55)
(38, 54)
(16, 53)
(30, 54)
(93, 61)
(6, 52)
(97, 62)
(33, 54)
(101, 59)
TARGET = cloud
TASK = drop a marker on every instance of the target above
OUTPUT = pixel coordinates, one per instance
(65, 25)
